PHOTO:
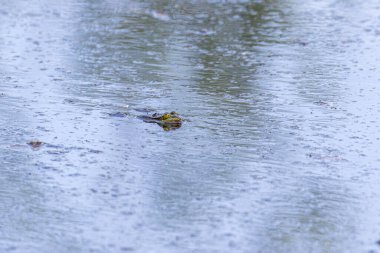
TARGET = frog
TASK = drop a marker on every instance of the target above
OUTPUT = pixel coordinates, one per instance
(168, 121)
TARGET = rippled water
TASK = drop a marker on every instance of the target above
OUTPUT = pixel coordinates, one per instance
(279, 151)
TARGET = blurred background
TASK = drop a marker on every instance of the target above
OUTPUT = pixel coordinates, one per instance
(279, 151)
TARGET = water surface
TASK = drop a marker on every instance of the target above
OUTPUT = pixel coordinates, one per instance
(278, 153)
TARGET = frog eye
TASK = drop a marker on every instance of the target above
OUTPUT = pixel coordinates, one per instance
(173, 113)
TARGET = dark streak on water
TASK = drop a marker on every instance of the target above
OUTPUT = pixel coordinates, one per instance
(279, 153)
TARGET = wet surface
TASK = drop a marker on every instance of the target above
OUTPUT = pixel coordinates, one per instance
(279, 152)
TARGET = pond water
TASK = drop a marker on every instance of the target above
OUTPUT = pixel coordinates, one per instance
(279, 151)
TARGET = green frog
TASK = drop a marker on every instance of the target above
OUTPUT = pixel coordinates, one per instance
(168, 121)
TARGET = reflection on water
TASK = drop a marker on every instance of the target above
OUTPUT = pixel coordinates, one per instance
(278, 152)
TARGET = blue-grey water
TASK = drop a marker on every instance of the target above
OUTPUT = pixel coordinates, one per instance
(279, 150)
